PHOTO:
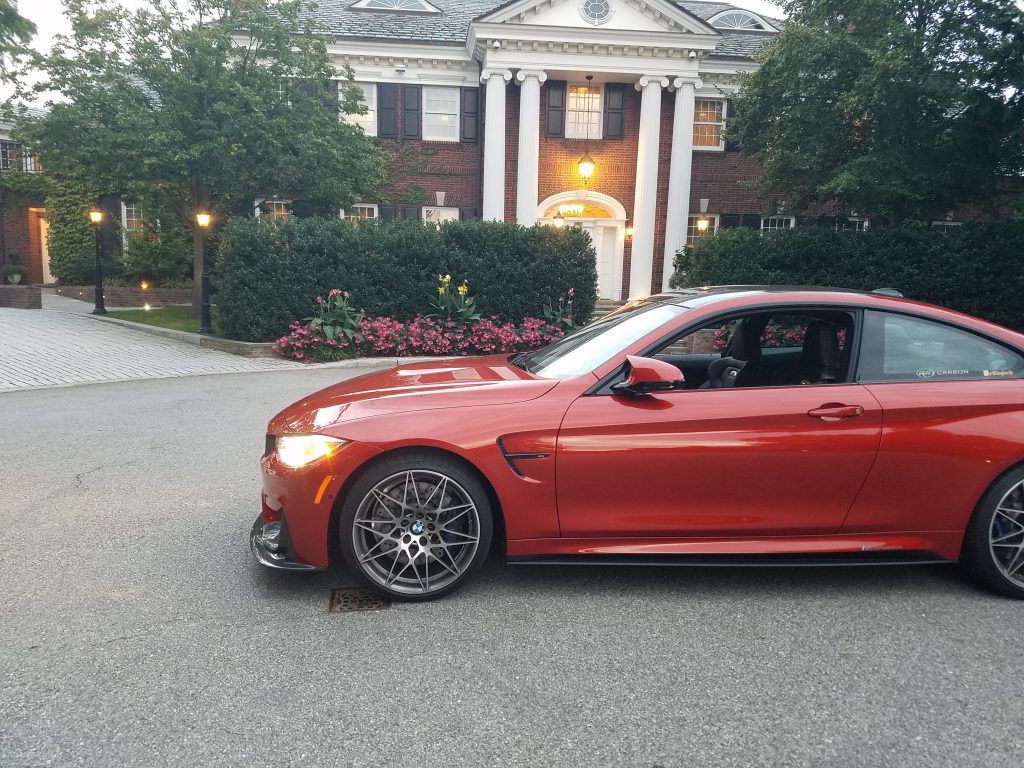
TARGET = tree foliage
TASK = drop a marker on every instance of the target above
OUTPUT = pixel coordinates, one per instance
(200, 105)
(15, 33)
(903, 108)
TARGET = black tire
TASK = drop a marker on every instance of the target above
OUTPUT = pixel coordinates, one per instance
(985, 560)
(438, 524)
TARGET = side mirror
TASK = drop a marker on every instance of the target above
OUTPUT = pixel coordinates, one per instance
(647, 375)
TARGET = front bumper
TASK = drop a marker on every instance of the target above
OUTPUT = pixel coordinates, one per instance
(271, 546)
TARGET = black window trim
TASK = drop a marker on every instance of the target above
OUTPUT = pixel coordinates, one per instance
(603, 387)
(938, 321)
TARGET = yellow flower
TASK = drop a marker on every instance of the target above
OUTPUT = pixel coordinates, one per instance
(441, 289)
(463, 289)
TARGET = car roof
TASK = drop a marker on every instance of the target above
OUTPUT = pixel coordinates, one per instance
(705, 294)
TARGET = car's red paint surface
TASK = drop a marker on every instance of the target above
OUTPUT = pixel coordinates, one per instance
(884, 467)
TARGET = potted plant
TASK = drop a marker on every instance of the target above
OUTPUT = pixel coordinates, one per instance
(13, 271)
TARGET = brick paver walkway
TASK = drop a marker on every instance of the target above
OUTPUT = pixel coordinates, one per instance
(62, 346)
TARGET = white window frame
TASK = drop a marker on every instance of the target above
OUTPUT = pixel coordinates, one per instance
(577, 129)
(273, 216)
(859, 224)
(354, 217)
(396, 6)
(428, 135)
(765, 26)
(367, 122)
(720, 147)
(128, 233)
(442, 213)
(691, 239)
(765, 219)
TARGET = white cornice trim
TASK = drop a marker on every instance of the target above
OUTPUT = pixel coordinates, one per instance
(660, 10)
(537, 35)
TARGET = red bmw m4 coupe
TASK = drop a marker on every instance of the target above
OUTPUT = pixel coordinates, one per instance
(752, 425)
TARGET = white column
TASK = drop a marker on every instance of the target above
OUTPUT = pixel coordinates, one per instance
(529, 145)
(680, 167)
(494, 143)
(641, 266)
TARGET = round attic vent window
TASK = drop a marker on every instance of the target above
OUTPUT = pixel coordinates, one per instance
(596, 11)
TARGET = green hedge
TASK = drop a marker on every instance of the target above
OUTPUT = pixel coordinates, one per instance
(975, 268)
(270, 274)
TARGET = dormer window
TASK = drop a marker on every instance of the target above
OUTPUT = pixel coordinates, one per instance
(408, 6)
(736, 19)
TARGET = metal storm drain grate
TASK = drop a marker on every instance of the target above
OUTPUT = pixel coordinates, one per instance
(349, 599)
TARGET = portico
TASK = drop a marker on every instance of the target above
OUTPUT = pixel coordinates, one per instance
(654, 49)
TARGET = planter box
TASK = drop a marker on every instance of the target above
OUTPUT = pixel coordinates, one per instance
(21, 296)
(128, 296)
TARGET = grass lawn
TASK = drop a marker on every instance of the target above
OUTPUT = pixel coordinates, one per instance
(178, 318)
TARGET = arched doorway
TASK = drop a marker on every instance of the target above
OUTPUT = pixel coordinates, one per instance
(604, 219)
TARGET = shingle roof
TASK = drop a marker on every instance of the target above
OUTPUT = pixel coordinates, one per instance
(451, 26)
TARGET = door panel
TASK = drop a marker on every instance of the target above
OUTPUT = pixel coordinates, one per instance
(714, 462)
(943, 444)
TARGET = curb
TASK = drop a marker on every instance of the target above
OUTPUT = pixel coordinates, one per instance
(241, 348)
(257, 349)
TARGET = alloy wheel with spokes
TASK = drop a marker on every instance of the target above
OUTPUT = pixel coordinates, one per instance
(993, 548)
(1006, 535)
(416, 531)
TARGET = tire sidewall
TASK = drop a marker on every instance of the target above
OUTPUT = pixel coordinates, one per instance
(428, 462)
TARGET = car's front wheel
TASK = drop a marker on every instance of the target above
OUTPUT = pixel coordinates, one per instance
(415, 526)
(993, 550)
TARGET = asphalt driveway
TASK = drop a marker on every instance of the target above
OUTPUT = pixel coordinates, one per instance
(137, 630)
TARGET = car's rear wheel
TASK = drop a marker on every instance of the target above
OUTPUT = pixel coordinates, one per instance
(415, 526)
(993, 549)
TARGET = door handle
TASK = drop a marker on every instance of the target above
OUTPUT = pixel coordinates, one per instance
(835, 411)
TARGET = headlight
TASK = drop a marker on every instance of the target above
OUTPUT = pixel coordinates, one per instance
(300, 450)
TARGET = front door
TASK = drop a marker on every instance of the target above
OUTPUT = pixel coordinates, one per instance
(714, 462)
(607, 243)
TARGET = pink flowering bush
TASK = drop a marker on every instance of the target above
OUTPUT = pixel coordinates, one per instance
(422, 336)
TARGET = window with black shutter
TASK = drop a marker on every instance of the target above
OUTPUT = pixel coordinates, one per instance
(387, 110)
(413, 212)
(466, 214)
(751, 220)
(554, 109)
(614, 111)
(470, 115)
(410, 112)
(729, 220)
(731, 145)
(387, 212)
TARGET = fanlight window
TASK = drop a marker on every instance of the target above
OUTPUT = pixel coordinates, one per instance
(738, 20)
(416, 6)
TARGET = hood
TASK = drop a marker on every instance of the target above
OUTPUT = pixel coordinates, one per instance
(448, 383)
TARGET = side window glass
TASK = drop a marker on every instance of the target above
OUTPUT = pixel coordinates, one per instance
(765, 350)
(902, 348)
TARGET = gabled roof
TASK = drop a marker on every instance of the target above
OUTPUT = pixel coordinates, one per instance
(451, 26)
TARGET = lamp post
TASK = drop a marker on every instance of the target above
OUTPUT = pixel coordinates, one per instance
(203, 221)
(96, 217)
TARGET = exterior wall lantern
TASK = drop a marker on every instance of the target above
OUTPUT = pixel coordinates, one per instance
(702, 223)
(586, 166)
(559, 220)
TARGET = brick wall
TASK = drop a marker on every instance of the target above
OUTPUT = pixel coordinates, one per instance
(21, 296)
(128, 296)
(17, 223)
(422, 168)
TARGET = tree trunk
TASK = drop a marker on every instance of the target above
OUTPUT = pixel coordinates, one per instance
(197, 269)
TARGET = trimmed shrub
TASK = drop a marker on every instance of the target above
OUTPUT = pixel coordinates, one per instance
(974, 268)
(269, 274)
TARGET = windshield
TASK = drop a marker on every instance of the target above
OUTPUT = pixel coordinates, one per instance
(583, 351)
